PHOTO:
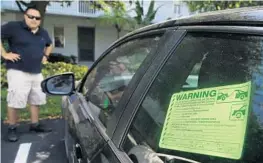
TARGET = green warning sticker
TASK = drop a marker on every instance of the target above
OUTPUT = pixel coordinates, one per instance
(208, 121)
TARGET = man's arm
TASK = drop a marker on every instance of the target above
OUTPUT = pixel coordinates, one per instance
(6, 33)
(48, 50)
(3, 51)
(9, 56)
(49, 46)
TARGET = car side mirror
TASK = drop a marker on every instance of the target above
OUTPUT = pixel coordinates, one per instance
(62, 84)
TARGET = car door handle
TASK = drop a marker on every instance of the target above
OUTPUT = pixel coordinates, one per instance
(78, 153)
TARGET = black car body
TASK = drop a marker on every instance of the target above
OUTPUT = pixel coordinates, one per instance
(126, 121)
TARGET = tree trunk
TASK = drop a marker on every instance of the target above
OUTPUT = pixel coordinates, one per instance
(118, 29)
(118, 34)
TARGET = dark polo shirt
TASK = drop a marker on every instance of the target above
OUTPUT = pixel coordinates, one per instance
(28, 45)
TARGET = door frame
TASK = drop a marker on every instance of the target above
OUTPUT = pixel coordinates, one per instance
(167, 47)
(94, 41)
(139, 78)
(117, 114)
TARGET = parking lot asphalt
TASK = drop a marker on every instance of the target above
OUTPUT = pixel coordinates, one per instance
(35, 147)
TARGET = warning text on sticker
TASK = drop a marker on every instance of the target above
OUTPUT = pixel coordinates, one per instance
(196, 95)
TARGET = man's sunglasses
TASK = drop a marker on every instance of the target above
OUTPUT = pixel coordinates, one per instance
(33, 17)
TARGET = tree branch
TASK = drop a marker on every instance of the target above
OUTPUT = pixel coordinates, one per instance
(19, 6)
(25, 3)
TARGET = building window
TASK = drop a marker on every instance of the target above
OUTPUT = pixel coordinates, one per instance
(177, 7)
(59, 38)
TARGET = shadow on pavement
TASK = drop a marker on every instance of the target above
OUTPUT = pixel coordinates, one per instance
(45, 147)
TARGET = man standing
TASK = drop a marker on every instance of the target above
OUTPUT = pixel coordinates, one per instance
(30, 46)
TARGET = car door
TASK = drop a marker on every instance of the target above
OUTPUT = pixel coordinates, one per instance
(92, 113)
(180, 115)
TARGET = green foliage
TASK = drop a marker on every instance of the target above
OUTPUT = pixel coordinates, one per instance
(5, 45)
(107, 5)
(212, 5)
(115, 14)
(151, 12)
(139, 12)
(61, 67)
(3, 76)
(50, 69)
(142, 19)
(64, 2)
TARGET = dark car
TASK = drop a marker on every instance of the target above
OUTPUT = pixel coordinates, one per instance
(163, 107)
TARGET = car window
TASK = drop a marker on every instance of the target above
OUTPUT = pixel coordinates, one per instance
(107, 82)
(227, 71)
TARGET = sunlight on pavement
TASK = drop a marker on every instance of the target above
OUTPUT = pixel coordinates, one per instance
(41, 156)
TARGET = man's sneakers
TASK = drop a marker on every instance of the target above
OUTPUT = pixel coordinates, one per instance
(12, 134)
(37, 127)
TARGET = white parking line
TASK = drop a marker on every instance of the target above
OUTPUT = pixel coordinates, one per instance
(22, 153)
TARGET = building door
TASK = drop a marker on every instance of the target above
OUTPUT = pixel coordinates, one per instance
(86, 43)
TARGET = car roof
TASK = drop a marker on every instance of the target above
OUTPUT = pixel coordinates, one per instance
(246, 16)
(241, 16)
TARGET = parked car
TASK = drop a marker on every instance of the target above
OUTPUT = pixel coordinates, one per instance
(165, 109)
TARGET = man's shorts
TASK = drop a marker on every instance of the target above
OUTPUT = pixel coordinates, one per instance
(24, 88)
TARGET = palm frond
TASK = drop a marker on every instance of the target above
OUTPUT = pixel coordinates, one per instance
(150, 9)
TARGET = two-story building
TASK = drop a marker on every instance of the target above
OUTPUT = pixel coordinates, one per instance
(76, 30)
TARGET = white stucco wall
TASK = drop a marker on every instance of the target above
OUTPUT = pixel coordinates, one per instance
(104, 35)
(165, 11)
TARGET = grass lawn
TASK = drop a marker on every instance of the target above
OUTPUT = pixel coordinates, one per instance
(51, 110)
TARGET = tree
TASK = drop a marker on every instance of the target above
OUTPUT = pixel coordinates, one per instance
(212, 5)
(115, 14)
(40, 5)
(142, 19)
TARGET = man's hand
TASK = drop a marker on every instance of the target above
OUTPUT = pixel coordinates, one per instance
(11, 56)
(44, 60)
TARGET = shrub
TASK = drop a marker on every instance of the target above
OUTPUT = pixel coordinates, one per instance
(51, 69)
(6, 47)
(3, 76)
(57, 57)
